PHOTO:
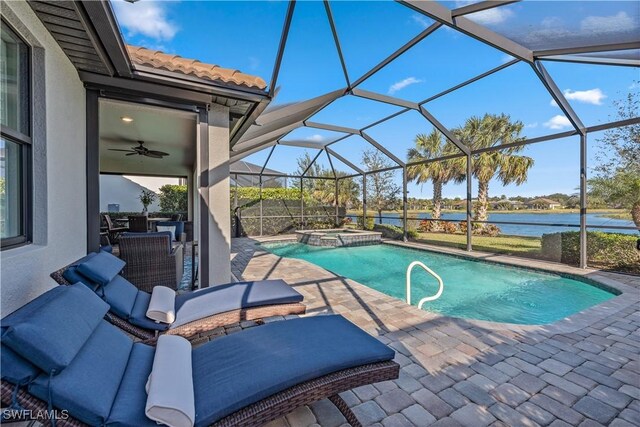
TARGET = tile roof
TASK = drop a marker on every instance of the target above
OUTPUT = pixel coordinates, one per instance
(176, 63)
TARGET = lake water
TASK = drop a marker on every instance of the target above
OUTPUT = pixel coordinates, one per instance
(571, 220)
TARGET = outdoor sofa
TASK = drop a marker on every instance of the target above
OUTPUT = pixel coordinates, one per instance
(59, 353)
(194, 312)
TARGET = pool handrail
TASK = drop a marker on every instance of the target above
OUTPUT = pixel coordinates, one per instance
(428, 270)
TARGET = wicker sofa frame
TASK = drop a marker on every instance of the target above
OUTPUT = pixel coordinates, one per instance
(150, 262)
(192, 329)
(268, 409)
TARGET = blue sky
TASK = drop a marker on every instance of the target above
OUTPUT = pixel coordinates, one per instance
(245, 35)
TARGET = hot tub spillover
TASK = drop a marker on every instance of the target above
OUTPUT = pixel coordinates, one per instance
(338, 237)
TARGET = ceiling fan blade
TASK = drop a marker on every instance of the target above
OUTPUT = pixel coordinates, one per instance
(132, 154)
(153, 156)
(157, 153)
(117, 149)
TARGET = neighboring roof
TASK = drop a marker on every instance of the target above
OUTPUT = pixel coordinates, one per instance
(542, 200)
(176, 63)
(242, 166)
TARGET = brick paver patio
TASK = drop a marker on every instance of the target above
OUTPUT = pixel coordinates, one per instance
(583, 371)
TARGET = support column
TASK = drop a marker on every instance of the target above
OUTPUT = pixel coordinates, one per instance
(261, 206)
(93, 171)
(190, 194)
(583, 200)
(214, 188)
(301, 205)
(469, 205)
(404, 203)
(364, 201)
(337, 202)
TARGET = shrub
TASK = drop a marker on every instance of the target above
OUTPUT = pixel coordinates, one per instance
(412, 234)
(173, 198)
(425, 226)
(370, 222)
(389, 231)
(462, 225)
(449, 227)
(604, 250)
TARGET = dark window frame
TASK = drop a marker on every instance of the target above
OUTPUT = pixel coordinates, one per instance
(26, 146)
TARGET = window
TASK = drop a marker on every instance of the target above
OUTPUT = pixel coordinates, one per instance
(15, 143)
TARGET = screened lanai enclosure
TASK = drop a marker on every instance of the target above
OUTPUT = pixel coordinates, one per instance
(483, 129)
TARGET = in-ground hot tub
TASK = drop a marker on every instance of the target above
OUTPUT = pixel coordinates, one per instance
(338, 237)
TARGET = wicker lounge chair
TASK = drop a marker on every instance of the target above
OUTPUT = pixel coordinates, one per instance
(233, 302)
(152, 260)
(244, 379)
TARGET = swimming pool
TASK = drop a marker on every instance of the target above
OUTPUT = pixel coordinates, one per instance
(472, 289)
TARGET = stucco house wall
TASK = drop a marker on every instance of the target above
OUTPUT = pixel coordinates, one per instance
(59, 206)
(123, 191)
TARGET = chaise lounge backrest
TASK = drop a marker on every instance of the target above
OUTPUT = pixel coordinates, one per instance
(126, 301)
(64, 353)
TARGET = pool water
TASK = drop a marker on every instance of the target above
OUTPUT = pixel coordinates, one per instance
(472, 289)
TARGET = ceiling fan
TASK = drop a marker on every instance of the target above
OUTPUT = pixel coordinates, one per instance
(141, 150)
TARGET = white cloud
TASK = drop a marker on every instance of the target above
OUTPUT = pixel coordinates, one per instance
(315, 138)
(402, 84)
(591, 96)
(494, 16)
(506, 58)
(421, 20)
(531, 125)
(145, 18)
(557, 122)
(619, 22)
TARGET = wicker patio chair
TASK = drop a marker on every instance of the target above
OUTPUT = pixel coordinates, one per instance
(138, 223)
(152, 260)
(113, 231)
(192, 329)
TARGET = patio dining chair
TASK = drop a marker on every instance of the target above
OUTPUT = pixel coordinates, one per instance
(59, 353)
(194, 312)
(138, 223)
(112, 230)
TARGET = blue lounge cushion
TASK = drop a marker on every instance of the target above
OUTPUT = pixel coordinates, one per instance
(50, 330)
(88, 386)
(15, 368)
(121, 295)
(232, 372)
(232, 296)
(101, 268)
(139, 314)
(179, 227)
(72, 275)
(128, 408)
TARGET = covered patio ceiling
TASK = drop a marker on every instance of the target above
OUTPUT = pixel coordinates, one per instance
(123, 124)
(272, 128)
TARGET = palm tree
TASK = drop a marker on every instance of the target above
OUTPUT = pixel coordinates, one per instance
(439, 173)
(493, 131)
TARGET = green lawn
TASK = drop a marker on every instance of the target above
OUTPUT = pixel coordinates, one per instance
(517, 245)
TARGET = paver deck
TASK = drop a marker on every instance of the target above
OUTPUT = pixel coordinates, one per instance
(583, 371)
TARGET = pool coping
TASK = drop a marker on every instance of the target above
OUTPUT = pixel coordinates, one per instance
(628, 294)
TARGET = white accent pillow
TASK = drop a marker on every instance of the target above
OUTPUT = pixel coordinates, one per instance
(162, 305)
(170, 396)
(171, 228)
